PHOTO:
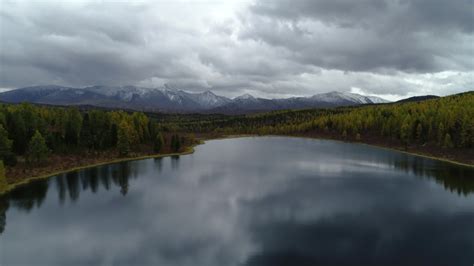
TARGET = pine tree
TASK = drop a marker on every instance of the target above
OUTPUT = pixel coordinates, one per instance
(17, 130)
(441, 133)
(38, 152)
(158, 142)
(175, 143)
(123, 139)
(5, 148)
(73, 127)
(419, 130)
(405, 133)
(3, 178)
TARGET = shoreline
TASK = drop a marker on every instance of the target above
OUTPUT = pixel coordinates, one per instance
(418, 154)
(190, 150)
(414, 153)
(10, 187)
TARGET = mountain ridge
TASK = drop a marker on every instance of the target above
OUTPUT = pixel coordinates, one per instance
(168, 99)
(418, 98)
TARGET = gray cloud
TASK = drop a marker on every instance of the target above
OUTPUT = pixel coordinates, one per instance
(399, 15)
(268, 48)
(369, 35)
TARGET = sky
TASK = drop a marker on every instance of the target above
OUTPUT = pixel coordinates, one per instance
(274, 49)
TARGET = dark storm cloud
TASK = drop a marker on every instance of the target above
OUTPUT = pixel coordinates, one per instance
(92, 45)
(268, 48)
(369, 35)
(404, 15)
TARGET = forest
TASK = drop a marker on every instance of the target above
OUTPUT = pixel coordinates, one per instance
(446, 122)
(34, 136)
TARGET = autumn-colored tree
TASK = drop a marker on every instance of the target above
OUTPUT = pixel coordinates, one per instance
(140, 122)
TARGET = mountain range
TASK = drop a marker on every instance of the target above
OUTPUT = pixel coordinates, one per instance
(167, 99)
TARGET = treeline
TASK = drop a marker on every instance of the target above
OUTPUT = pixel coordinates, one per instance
(33, 132)
(446, 122)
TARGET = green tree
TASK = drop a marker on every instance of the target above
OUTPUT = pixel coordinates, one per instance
(441, 133)
(175, 143)
(17, 130)
(73, 127)
(86, 134)
(3, 178)
(158, 142)
(123, 139)
(140, 122)
(5, 147)
(38, 151)
(405, 133)
(419, 132)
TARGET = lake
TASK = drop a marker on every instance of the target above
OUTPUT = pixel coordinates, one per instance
(247, 201)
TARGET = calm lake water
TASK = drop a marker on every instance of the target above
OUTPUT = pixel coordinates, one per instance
(248, 201)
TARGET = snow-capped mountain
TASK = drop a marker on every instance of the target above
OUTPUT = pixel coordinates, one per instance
(208, 99)
(336, 96)
(169, 99)
(245, 97)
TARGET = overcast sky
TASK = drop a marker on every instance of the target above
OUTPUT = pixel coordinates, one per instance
(269, 48)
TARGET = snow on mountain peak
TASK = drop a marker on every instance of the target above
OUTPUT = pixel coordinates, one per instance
(336, 96)
(245, 96)
(169, 98)
(208, 99)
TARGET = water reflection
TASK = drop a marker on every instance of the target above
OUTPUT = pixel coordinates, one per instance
(453, 177)
(267, 201)
(29, 196)
(3, 209)
(158, 163)
(175, 162)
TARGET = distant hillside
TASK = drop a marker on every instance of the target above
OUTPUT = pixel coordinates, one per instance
(442, 127)
(418, 98)
(167, 99)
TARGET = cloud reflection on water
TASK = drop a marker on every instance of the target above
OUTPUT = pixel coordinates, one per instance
(265, 201)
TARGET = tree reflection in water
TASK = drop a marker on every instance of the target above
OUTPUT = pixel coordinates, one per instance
(453, 178)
